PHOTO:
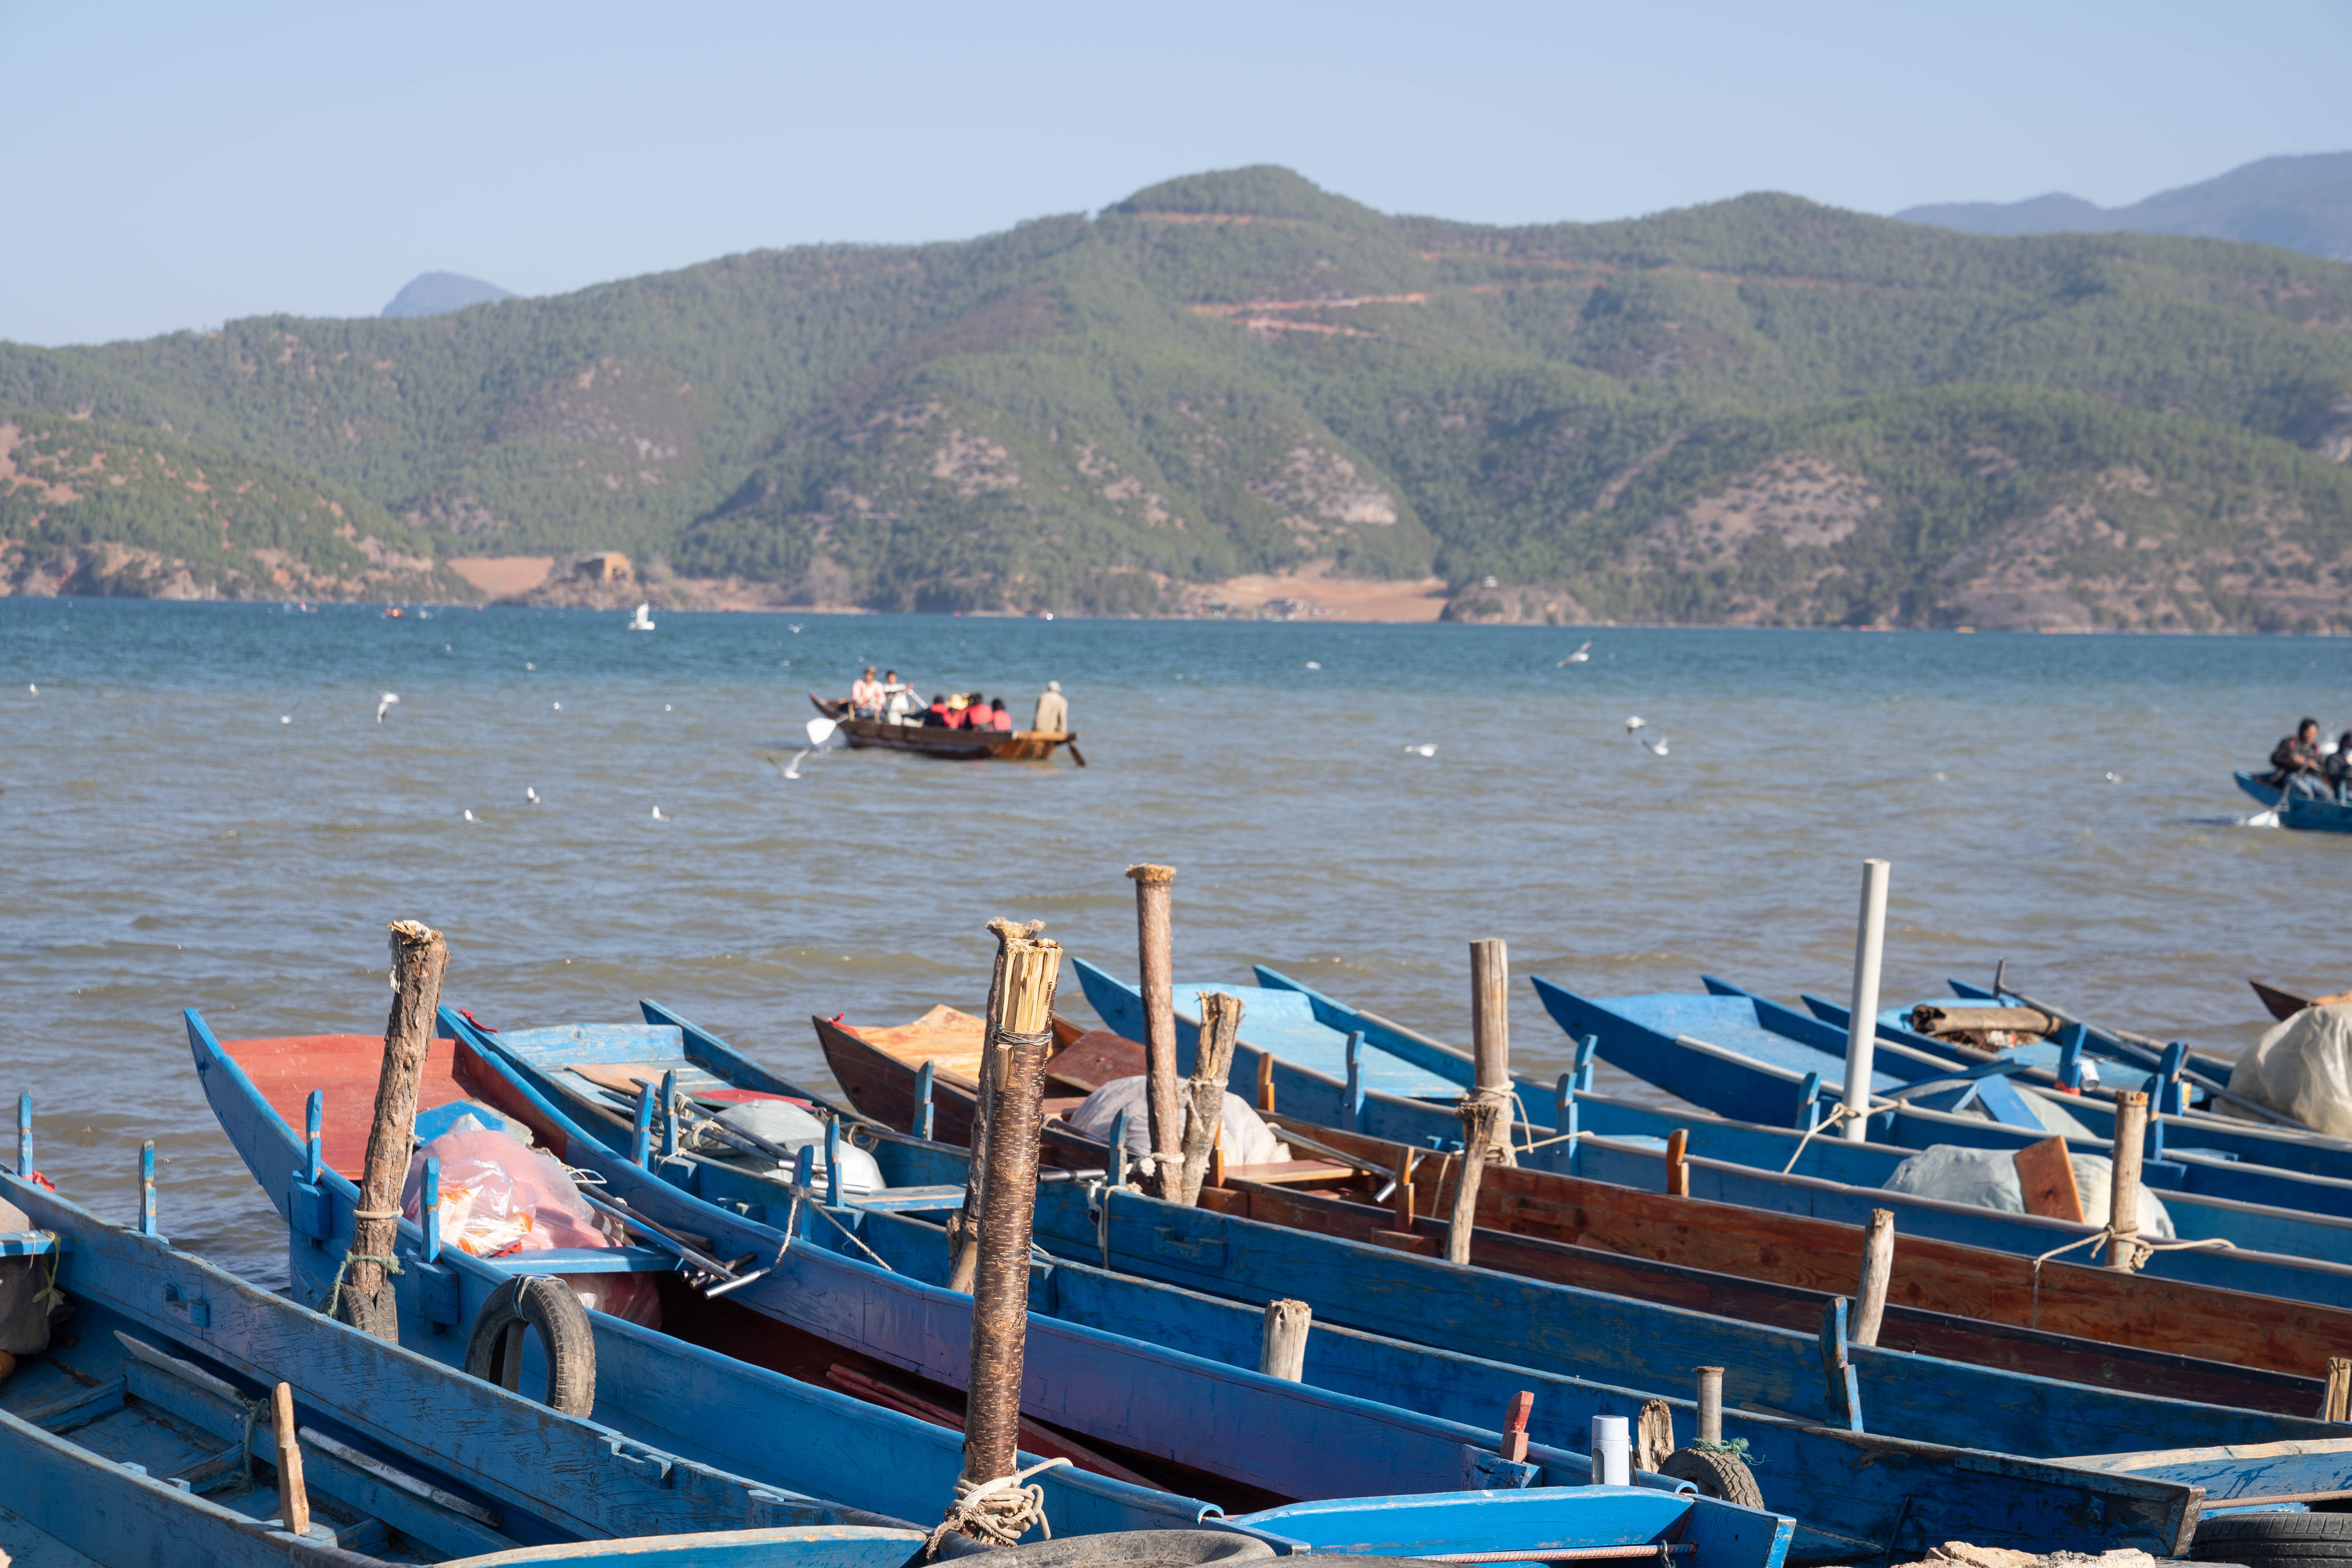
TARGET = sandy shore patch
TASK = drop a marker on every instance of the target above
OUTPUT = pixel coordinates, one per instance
(500, 575)
(1316, 593)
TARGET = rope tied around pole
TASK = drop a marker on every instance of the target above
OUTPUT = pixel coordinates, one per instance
(2142, 1250)
(1837, 1113)
(335, 1294)
(997, 1513)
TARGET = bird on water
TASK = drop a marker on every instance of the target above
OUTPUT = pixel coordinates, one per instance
(385, 706)
(530, 794)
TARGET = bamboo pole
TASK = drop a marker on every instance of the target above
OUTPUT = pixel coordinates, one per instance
(1877, 1268)
(965, 1223)
(1154, 943)
(1478, 1119)
(1862, 1021)
(419, 955)
(1020, 1033)
(2123, 1193)
(1205, 1091)
(1490, 1035)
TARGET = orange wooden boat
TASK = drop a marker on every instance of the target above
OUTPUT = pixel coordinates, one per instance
(937, 741)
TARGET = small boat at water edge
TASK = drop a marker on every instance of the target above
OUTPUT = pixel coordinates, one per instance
(2295, 809)
(2067, 1319)
(142, 1435)
(938, 740)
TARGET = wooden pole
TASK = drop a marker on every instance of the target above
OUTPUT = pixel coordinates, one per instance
(1861, 1022)
(1266, 1080)
(419, 955)
(1478, 1119)
(2332, 1404)
(1653, 1436)
(1877, 1268)
(1404, 1163)
(293, 1497)
(1020, 1034)
(2123, 1195)
(965, 1224)
(1710, 1405)
(1205, 1091)
(1154, 944)
(1282, 1340)
(1677, 1163)
(1490, 1035)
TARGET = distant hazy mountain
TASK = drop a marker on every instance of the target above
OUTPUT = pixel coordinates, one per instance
(2297, 204)
(438, 293)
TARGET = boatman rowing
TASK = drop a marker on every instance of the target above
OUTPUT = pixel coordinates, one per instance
(1053, 709)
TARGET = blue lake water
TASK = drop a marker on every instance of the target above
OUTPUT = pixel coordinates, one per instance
(201, 809)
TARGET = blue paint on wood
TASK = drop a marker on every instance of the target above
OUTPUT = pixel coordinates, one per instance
(923, 1108)
(24, 1134)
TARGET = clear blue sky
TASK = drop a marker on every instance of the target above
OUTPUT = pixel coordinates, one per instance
(175, 166)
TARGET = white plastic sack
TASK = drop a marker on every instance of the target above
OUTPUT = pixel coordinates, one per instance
(1986, 1179)
(1248, 1140)
(2303, 1067)
(791, 1128)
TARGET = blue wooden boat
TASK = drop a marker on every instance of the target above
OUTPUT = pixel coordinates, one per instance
(1304, 1031)
(684, 1390)
(1189, 1375)
(2295, 809)
(129, 1441)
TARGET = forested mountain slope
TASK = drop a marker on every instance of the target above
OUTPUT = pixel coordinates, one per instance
(1759, 411)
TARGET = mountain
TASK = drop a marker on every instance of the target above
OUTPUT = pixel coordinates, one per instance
(2294, 202)
(1763, 411)
(437, 293)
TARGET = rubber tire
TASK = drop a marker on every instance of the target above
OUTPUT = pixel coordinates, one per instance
(1722, 1476)
(2284, 1540)
(1124, 1549)
(546, 1303)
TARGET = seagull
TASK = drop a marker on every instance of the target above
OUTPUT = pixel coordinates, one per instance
(796, 631)
(793, 768)
(530, 794)
(659, 815)
(559, 707)
(385, 707)
(1422, 751)
(32, 689)
(1581, 655)
(664, 707)
(2114, 777)
(469, 814)
(286, 718)
(643, 623)
(1656, 748)
(1635, 722)
(1312, 664)
(530, 665)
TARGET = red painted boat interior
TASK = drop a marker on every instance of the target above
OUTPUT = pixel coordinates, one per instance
(346, 1067)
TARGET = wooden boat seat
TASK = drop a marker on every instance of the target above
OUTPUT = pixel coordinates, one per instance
(1093, 1060)
(346, 1067)
(622, 1077)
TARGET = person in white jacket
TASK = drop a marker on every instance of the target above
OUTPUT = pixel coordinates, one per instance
(1053, 709)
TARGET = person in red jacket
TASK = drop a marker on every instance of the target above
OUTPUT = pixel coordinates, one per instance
(979, 715)
(938, 713)
(1004, 719)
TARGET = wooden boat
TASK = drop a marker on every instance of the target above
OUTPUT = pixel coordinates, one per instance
(1079, 1381)
(938, 740)
(133, 1439)
(1762, 1166)
(2295, 809)
(1964, 1303)
(2283, 1005)
(714, 1384)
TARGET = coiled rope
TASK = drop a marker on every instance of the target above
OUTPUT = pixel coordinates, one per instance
(997, 1513)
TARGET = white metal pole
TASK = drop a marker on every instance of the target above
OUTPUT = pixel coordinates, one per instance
(1861, 1022)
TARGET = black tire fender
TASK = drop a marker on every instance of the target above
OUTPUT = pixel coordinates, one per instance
(2263, 1540)
(1717, 1475)
(542, 1301)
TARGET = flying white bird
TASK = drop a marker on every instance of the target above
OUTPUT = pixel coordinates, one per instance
(660, 815)
(664, 707)
(32, 689)
(530, 794)
(643, 623)
(1656, 748)
(1635, 722)
(385, 707)
(469, 814)
(1422, 751)
(796, 631)
(1312, 664)
(286, 718)
(526, 665)
(793, 768)
(1581, 655)
(559, 707)
(2114, 777)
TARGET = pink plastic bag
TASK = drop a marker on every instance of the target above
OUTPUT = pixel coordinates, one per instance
(499, 1197)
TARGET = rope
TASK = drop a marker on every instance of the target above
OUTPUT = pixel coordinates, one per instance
(2142, 1250)
(997, 1513)
(854, 1240)
(375, 1214)
(1837, 1113)
(335, 1295)
(49, 1293)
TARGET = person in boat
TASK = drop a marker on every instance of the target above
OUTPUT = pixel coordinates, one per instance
(866, 695)
(897, 698)
(1003, 722)
(2337, 767)
(1053, 709)
(2296, 760)
(979, 715)
(936, 716)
